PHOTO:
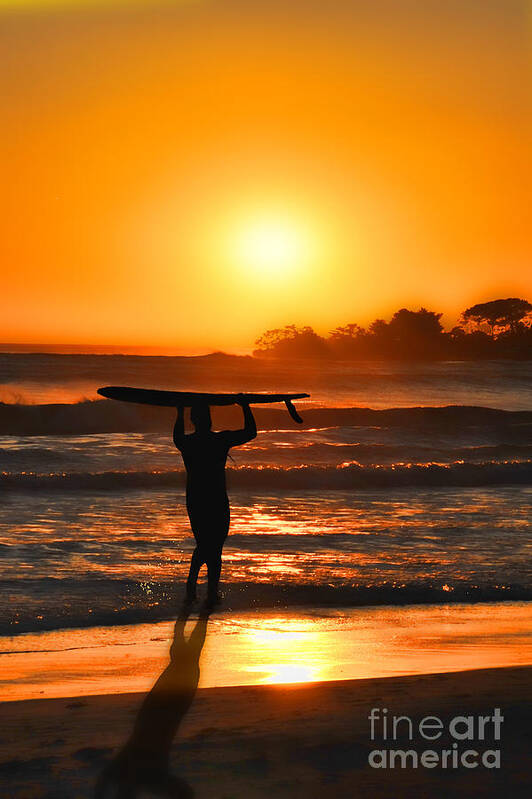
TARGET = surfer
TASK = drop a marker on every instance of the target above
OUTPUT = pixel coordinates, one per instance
(204, 455)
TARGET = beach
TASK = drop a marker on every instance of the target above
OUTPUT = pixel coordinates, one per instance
(309, 740)
(283, 702)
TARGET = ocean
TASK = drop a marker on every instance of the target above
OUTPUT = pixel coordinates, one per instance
(406, 484)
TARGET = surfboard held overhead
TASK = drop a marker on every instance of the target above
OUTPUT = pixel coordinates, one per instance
(173, 399)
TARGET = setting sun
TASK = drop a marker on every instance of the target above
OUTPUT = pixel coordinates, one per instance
(271, 246)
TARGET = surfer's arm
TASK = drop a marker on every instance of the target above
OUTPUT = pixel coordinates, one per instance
(250, 427)
(233, 438)
(179, 427)
(248, 432)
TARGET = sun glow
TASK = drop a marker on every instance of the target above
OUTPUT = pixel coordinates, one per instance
(219, 196)
(272, 246)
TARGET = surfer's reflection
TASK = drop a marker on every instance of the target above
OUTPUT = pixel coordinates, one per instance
(205, 454)
(143, 763)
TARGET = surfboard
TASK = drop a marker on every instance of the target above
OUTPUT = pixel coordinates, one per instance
(172, 399)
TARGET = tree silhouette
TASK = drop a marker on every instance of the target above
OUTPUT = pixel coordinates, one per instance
(505, 314)
(407, 334)
(416, 325)
(414, 335)
(379, 328)
(291, 342)
(345, 340)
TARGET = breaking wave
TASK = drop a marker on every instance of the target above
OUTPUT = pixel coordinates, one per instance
(345, 477)
(106, 416)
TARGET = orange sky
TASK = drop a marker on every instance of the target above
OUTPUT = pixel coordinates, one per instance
(144, 142)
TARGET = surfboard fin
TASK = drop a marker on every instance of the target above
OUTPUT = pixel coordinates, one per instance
(292, 411)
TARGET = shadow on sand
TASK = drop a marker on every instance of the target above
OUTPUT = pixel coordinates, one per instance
(143, 763)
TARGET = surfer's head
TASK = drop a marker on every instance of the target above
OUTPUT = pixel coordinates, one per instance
(200, 416)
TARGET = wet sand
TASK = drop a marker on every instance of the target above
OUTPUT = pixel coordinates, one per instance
(272, 646)
(310, 740)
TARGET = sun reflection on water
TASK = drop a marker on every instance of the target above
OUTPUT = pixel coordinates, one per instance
(286, 651)
(280, 673)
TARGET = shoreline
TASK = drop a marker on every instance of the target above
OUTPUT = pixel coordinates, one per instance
(272, 646)
(294, 599)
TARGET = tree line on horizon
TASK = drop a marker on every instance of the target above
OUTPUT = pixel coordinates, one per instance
(488, 330)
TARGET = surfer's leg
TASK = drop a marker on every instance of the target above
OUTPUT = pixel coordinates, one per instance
(214, 568)
(196, 563)
(214, 554)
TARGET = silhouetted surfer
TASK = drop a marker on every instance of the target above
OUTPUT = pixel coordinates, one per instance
(204, 454)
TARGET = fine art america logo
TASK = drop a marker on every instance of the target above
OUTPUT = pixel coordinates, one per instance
(466, 737)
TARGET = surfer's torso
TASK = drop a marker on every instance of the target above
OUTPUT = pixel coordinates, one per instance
(205, 456)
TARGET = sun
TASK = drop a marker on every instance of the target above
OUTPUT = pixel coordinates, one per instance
(270, 246)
